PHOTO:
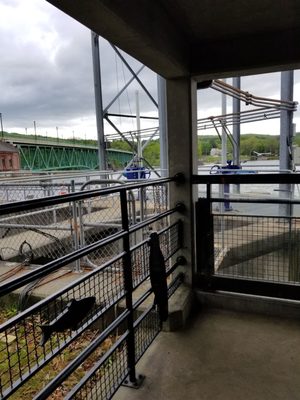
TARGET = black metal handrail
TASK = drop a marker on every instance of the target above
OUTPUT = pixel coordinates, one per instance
(246, 178)
(25, 205)
(250, 250)
(36, 360)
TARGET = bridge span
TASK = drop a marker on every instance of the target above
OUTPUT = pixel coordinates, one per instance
(47, 155)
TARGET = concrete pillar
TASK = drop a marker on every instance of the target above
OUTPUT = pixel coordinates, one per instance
(181, 106)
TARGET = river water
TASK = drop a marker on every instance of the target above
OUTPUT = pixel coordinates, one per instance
(255, 191)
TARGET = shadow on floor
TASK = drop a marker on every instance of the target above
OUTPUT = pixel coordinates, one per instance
(223, 355)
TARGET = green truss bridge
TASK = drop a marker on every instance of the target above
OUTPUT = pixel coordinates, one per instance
(41, 156)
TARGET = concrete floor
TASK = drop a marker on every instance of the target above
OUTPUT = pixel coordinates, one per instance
(223, 355)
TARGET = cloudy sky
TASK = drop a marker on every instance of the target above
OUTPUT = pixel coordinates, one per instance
(46, 76)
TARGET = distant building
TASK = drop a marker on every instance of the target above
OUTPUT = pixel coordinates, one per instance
(9, 157)
(215, 152)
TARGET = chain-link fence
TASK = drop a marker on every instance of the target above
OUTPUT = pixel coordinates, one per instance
(41, 235)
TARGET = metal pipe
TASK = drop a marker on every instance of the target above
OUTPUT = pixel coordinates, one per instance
(43, 227)
(98, 99)
(236, 131)
(249, 98)
(163, 137)
(286, 135)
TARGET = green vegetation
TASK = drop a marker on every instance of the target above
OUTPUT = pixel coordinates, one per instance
(26, 351)
(249, 143)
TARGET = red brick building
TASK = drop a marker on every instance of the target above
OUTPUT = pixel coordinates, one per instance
(9, 157)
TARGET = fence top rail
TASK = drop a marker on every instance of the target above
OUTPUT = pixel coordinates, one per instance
(9, 208)
(246, 178)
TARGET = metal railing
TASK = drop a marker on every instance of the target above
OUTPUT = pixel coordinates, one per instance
(253, 245)
(45, 350)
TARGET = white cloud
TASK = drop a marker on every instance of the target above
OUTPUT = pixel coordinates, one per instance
(46, 76)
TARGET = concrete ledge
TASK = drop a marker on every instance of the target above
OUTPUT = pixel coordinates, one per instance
(250, 304)
(180, 304)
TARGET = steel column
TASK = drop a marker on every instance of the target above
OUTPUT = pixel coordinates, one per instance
(163, 140)
(98, 99)
(286, 137)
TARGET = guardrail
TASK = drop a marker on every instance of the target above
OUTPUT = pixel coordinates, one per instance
(84, 340)
(253, 245)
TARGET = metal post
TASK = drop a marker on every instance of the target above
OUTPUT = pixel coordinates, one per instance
(57, 134)
(98, 100)
(224, 151)
(162, 111)
(236, 129)
(138, 135)
(75, 227)
(286, 137)
(1, 121)
(224, 136)
(133, 381)
(204, 239)
(34, 126)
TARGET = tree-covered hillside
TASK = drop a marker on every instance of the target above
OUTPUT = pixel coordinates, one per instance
(249, 143)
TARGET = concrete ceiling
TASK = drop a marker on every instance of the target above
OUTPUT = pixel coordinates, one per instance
(199, 38)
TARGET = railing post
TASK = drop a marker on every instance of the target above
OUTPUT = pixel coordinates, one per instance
(75, 227)
(132, 380)
(205, 241)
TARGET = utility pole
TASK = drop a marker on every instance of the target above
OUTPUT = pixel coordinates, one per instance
(98, 100)
(57, 138)
(34, 127)
(1, 121)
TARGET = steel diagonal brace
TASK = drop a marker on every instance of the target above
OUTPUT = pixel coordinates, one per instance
(134, 74)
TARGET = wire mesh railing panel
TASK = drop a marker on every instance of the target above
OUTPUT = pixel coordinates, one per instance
(170, 243)
(27, 342)
(77, 342)
(140, 263)
(145, 332)
(257, 248)
(105, 376)
(100, 217)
